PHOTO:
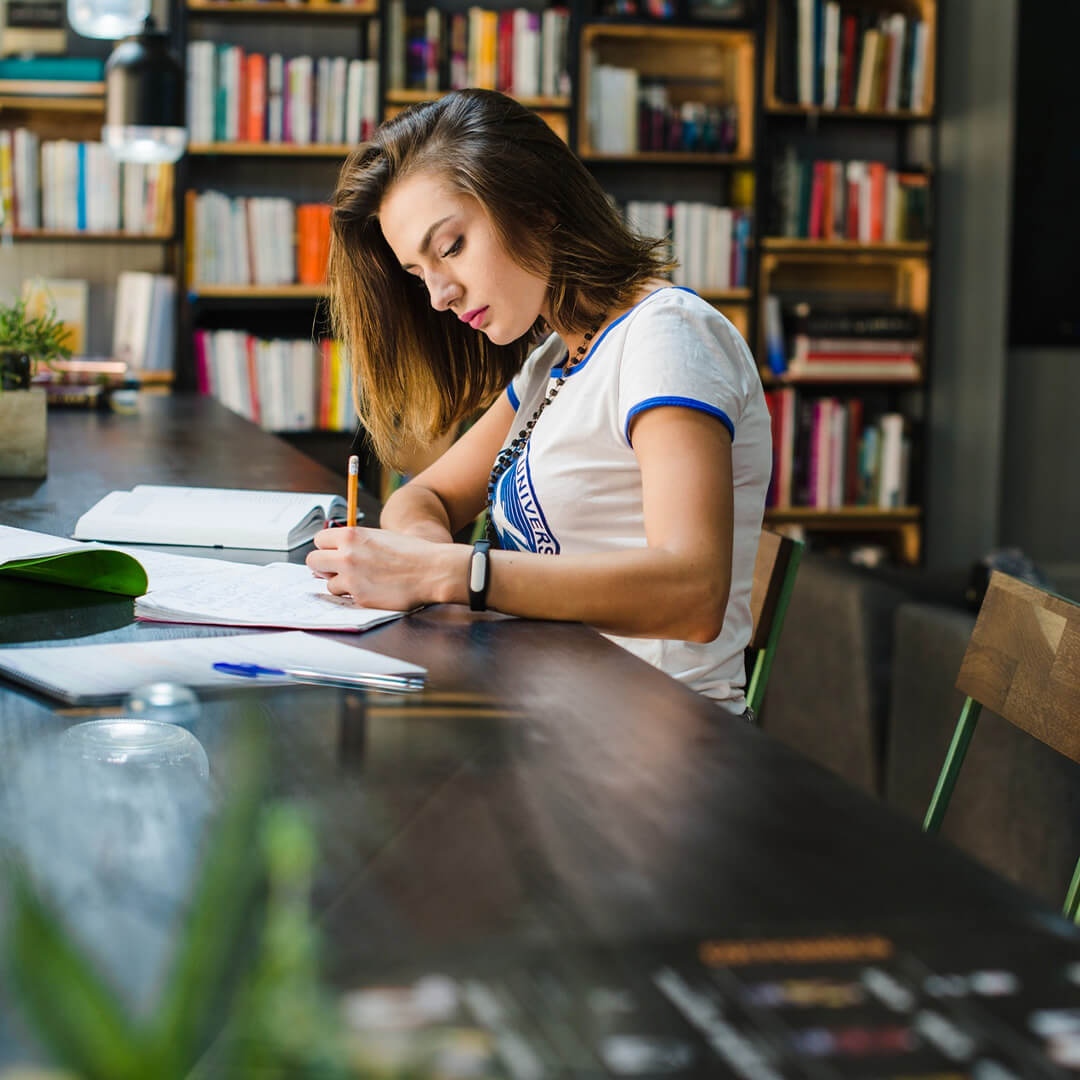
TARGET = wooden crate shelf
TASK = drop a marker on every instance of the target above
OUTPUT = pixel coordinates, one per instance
(278, 8)
(721, 60)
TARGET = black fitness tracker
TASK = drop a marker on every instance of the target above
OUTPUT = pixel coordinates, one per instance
(478, 576)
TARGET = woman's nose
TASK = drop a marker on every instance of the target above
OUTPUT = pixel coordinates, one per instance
(443, 292)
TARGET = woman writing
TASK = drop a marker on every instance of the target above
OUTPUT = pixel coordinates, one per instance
(624, 451)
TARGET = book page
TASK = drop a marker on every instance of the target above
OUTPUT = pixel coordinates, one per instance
(280, 594)
(93, 672)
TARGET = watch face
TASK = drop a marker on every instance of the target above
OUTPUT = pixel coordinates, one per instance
(478, 571)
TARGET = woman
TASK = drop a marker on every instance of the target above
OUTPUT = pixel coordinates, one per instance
(624, 453)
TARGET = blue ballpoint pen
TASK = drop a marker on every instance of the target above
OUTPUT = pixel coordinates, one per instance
(392, 684)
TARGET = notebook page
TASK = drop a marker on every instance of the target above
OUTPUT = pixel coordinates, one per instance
(280, 594)
(25, 544)
(93, 672)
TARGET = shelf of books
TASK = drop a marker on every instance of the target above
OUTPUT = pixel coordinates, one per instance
(843, 276)
(520, 52)
(257, 248)
(282, 384)
(679, 94)
(843, 363)
(256, 233)
(858, 59)
(64, 190)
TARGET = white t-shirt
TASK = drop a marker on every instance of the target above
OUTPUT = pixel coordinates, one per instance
(577, 486)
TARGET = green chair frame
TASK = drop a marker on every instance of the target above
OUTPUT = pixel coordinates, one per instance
(775, 570)
(1019, 634)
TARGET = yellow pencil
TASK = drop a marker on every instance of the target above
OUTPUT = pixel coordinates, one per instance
(354, 479)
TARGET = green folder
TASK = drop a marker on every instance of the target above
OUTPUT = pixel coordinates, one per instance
(95, 568)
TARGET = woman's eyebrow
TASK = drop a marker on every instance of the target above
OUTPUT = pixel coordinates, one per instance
(426, 242)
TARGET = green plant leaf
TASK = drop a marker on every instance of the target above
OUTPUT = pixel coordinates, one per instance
(76, 1014)
(205, 968)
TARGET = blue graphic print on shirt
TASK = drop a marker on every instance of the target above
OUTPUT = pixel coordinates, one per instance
(519, 521)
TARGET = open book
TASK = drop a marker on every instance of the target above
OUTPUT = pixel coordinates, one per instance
(209, 517)
(186, 588)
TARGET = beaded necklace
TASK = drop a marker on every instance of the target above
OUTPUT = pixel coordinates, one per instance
(509, 454)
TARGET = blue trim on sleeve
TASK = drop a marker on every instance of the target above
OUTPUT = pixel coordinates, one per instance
(512, 396)
(684, 402)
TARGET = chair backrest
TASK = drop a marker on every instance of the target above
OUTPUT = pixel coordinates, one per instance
(1023, 662)
(777, 563)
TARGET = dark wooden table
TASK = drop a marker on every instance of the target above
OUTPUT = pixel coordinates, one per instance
(548, 792)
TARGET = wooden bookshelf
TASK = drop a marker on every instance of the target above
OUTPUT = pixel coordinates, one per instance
(199, 291)
(278, 8)
(667, 157)
(90, 237)
(801, 244)
(710, 64)
(820, 112)
(557, 118)
(844, 516)
(268, 149)
(729, 296)
(870, 270)
(768, 379)
(903, 525)
(412, 97)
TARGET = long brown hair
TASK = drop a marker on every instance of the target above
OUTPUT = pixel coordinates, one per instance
(419, 371)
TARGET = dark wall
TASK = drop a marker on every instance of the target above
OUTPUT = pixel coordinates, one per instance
(1045, 296)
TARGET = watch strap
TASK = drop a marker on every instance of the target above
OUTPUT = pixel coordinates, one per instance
(479, 574)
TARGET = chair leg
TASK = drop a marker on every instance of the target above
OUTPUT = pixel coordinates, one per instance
(939, 802)
(755, 688)
(1072, 897)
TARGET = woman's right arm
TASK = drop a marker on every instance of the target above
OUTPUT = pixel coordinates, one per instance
(451, 492)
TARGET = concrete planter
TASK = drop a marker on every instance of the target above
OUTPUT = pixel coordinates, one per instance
(24, 448)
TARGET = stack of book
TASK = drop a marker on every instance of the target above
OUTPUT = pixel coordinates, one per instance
(520, 52)
(80, 187)
(710, 243)
(282, 385)
(860, 57)
(236, 96)
(864, 201)
(807, 343)
(827, 456)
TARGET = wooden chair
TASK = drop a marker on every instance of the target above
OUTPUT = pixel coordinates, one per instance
(777, 563)
(1023, 663)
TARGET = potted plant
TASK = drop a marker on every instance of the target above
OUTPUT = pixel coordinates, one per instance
(26, 343)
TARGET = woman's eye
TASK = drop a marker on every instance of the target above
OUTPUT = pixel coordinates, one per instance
(419, 281)
(454, 248)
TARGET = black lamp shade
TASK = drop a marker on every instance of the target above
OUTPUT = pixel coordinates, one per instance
(144, 83)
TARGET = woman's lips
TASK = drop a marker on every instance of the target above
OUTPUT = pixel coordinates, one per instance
(475, 317)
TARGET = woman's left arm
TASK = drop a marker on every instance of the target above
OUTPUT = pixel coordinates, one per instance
(675, 587)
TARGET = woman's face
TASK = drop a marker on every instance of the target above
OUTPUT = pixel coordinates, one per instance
(446, 241)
